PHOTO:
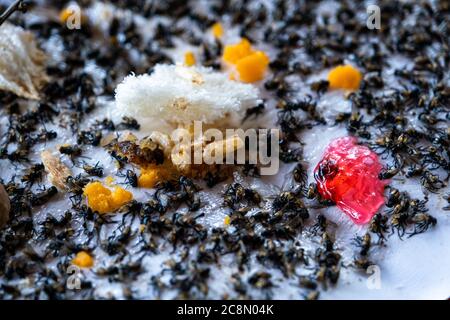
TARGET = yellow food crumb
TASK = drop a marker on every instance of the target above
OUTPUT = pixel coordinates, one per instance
(103, 200)
(149, 177)
(227, 220)
(234, 52)
(189, 59)
(250, 65)
(142, 228)
(83, 260)
(217, 30)
(253, 67)
(345, 77)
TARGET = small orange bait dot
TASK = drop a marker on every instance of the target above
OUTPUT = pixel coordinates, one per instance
(345, 77)
(217, 30)
(189, 59)
(83, 260)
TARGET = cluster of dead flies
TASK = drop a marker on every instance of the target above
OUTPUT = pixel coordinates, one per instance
(418, 150)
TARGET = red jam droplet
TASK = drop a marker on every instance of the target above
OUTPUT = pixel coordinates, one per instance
(348, 176)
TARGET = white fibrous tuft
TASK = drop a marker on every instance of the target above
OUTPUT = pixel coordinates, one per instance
(181, 95)
(22, 63)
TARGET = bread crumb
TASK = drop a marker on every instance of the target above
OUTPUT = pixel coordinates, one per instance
(22, 63)
(181, 95)
(57, 171)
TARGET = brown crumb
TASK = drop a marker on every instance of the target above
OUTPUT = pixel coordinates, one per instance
(5, 206)
(57, 171)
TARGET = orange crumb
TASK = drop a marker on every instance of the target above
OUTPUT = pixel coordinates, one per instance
(253, 67)
(103, 200)
(83, 260)
(249, 65)
(345, 77)
(149, 177)
(234, 52)
(217, 30)
(189, 59)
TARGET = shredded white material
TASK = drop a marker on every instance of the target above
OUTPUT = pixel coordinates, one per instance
(181, 95)
(22, 63)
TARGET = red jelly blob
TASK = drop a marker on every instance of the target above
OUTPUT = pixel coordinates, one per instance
(348, 176)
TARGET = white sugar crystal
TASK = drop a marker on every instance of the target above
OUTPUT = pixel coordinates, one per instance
(22, 63)
(181, 95)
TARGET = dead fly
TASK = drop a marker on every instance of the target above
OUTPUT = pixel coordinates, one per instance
(133, 209)
(300, 175)
(399, 221)
(364, 243)
(129, 123)
(320, 226)
(95, 170)
(118, 244)
(389, 172)
(91, 137)
(261, 280)
(422, 221)
(33, 174)
(307, 282)
(278, 85)
(447, 197)
(71, 151)
(394, 197)
(120, 272)
(362, 263)
(43, 197)
(45, 135)
(290, 202)
(311, 191)
(235, 193)
(254, 112)
(190, 190)
(378, 225)
(104, 124)
(328, 261)
(287, 153)
(320, 87)
(431, 181)
(20, 154)
(75, 186)
(50, 224)
(131, 178)
(186, 229)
